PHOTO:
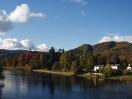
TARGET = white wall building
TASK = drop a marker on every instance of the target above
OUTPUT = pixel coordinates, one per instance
(129, 67)
(98, 67)
(115, 66)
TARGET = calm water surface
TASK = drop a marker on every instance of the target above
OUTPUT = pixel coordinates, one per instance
(27, 85)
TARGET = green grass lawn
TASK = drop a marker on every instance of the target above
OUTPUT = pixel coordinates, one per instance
(68, 73)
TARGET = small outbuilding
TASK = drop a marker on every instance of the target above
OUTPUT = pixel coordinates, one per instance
(98, 67)
(115, 66)
(129, 68)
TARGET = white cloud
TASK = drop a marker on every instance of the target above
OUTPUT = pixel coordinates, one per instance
(81, 2)
(22, 14)
(37, 15)
(42, 47)
(10, 44)
(26, 44)
(116, 38)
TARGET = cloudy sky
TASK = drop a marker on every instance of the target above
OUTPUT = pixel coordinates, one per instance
(40, 24)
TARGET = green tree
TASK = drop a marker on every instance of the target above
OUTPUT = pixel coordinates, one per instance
(101, 60)
(56, 66)
(107, 70)
(75, 67)
(66, 60)
(83, 61)
(51, 57)
(91, 62)
(43, 60)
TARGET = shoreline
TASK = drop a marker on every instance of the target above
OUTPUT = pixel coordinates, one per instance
(54, 72)
(84, 75)
(121, 78)
(9, 68)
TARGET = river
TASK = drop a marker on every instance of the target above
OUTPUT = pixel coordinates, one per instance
(31, 85)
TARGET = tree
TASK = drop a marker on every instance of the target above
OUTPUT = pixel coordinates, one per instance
(91, 61)
(51, 56)
(56, 66)
(43, 60)
(101, 60)
(33, 64)
(107, 70)
(15, 61)
(75, 67)
(66, 60)
(113, 59)
(83, 61)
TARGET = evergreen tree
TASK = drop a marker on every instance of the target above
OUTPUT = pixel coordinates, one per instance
(51, 57)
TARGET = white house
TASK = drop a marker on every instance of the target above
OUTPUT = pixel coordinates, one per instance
(115, 66)
(129, 68)
(98, 67)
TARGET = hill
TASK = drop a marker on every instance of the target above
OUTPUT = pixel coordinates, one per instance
(121, 51)
(4, 52)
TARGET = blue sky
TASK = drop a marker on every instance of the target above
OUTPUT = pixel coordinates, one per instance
(70, 23)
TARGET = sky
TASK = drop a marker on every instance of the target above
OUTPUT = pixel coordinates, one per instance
(40, 24)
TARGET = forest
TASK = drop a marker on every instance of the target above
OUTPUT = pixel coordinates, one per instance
(83, 57)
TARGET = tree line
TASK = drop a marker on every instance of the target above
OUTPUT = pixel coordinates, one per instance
(76, 60)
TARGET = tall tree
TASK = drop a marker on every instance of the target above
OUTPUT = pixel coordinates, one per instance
(43, 60)
(66, 60)
(51, 57)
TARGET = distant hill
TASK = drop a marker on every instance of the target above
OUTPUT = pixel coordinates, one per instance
(99, 48)
(106, 48)
(122, 50)
(4, 52)
(79, 50)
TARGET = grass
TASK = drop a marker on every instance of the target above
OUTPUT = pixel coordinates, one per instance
(68, 73)
(87, 75)
(9, 68)
(91, 75)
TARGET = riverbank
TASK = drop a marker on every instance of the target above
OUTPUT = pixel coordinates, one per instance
(92, 75)
(54, 72)
(84, 75)
(9, 68)
(122, 78)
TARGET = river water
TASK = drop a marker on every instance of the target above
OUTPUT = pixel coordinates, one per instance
(31, 85)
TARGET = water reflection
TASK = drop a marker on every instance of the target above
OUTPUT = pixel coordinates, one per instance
(27, 85)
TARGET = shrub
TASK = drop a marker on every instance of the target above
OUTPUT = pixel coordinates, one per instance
(107, 70)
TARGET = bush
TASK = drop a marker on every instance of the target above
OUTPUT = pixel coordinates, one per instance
(107, 70)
